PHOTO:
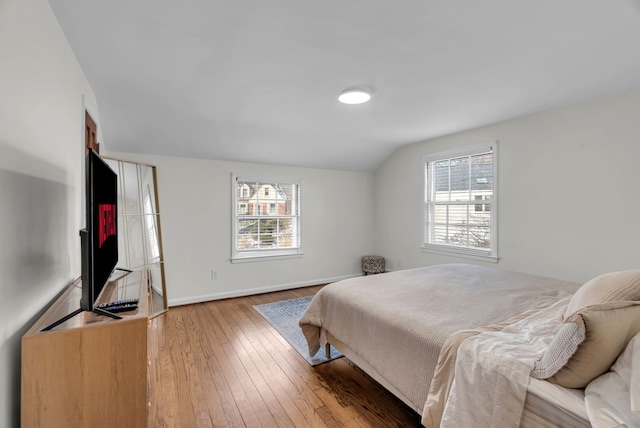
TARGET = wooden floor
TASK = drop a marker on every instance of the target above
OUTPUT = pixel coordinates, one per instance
(220, 364)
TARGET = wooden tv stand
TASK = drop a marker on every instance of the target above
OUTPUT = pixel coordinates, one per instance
(91, 370)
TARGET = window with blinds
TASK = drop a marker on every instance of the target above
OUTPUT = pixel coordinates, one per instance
(266, 215)
(460, 202)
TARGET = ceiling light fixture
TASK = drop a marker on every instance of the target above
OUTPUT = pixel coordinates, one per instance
(354, 96)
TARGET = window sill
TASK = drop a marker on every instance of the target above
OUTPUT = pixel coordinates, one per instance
(254, 257)
(460, 252)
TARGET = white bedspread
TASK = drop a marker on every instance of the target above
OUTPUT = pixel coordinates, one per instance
(492, 371)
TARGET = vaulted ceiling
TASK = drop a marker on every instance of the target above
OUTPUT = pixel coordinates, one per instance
(257, 81)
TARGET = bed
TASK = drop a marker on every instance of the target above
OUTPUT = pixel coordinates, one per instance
(406, 330)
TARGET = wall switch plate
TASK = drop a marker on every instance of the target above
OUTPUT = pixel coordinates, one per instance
(214, 274)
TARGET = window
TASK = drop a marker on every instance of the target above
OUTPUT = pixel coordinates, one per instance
(460, 201)
(482, 207)
(266, 216)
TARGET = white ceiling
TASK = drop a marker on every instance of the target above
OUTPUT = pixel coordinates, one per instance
(257, 81)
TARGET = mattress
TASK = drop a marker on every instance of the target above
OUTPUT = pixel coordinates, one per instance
(550, 405)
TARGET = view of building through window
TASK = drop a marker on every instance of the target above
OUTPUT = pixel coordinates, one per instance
(267, 215)
(458, 200)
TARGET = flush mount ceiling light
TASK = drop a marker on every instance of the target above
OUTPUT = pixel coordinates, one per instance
(354, 96)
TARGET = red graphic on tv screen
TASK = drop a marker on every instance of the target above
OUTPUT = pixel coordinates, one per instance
(106, 222)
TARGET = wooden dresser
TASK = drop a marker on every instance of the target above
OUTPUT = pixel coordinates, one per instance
(91, 370)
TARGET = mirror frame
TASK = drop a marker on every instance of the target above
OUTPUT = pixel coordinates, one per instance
(140, 243)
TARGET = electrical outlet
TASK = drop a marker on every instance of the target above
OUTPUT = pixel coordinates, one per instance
(214, 274)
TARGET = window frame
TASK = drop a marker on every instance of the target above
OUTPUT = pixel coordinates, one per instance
(490, 254)
(241, 256)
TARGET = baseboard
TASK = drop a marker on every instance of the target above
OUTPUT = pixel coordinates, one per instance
(252, 291)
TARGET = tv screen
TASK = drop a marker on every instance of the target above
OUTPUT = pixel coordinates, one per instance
(100, 239)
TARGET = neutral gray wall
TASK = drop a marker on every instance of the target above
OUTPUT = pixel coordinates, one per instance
(568, 204)
(42, 93)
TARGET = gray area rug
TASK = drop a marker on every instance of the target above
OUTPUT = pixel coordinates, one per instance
(284, 316)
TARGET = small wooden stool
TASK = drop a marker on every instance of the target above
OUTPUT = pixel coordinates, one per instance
(372, 265)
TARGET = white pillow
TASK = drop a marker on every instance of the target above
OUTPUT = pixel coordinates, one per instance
(613, 399)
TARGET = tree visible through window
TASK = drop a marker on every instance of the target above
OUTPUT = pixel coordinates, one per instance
(460, 201)
(267, 217)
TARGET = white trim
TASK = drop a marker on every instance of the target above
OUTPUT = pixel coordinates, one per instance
(465, 253)
(265, 254)
(253, 291)
(450, 250)
(265, 178)
(494, 202)
(263, 257)
(463, 151)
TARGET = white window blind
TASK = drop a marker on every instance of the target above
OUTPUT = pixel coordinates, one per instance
(266, 217)
(459, 206)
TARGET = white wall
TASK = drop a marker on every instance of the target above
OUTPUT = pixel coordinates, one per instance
(195, 215)
(41, 154)
(569, 186)
(568, 204)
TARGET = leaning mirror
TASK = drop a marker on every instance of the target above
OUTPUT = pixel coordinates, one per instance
(140, 238)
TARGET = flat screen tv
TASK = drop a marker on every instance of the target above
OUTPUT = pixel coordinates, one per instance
(100, 249)
(99, 239)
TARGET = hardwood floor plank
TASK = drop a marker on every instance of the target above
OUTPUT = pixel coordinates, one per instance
(294, 400)
(267, 375)
(163, 375)
(329, 418)
(223, 375)
(293, 367)
(182, 407)
(260, 407)
(285, 391)
(221, 364)
(356, 390)
(193, 395)
(205, 358)
(240, 339)
(345, 414)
